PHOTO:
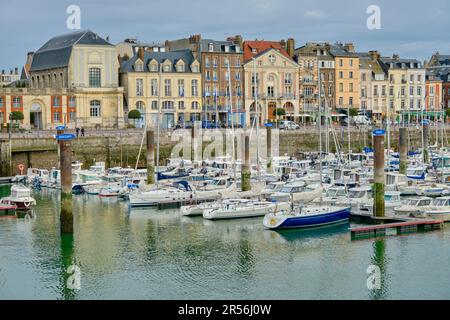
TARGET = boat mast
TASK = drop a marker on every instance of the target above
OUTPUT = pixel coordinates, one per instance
(232, 120)
(158, 125)
(256, 119)
(320, 122)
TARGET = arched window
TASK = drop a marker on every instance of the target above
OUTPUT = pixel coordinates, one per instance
(55, 81)
(95, 108)
(140, 106)
(195, 105)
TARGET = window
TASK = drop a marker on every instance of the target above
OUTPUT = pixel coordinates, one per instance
(341, 101)
(402, 104)
(270, 92)
(350, 87)
(207, 62)
(411, 78)
(350, 101)
(350, 74)
(238, 90)
(364, 77)
(308, 91)
(181, 88)
(167, 105)
(195, 68)
(341, 74)
(375, 90)
(140, 106)
(95, 77)
(214, 75)
(419, 91)
(419, 78)
(238, 62)
(2, 103)
(181, 105)
(154, 105)
(208, 75)
(195, 105)
(154, 67)
(288, 78)
(383, 90)
(138, 67)
(72, 102)
(56, 102)
(139, 87)
(226, 62)
(95, 109)
(272, 58)
(17, 102)
(227, 75)
(72, 116)
(194, 89)
(180, 67)
(341, 87)
(403, 91)
(391, 91)
(341, 63)
(56, 116)
(351, 63)
(411, 91)
(167, 68)
(154, 87)
(411, 103)
(238, 76)
(215, 62)
(167, 88)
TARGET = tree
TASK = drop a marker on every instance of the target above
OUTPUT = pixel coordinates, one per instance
(279, 112)
(447, 113)
(353, 112)
(134, 114)
(17, 116)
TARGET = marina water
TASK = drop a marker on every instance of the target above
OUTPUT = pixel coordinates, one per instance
(151, 254)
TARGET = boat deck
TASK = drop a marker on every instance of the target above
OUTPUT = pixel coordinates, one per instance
(6, 210)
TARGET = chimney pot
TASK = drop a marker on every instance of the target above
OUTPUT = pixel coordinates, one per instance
(141, 53)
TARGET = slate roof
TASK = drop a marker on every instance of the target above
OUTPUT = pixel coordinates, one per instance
(56, 52)
(439, 72)
(219, 46)
(160, 57)
(398, 63)
(338, 50)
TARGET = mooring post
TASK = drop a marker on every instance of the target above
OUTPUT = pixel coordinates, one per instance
(426, 138)
(5, 159)
(108, 152)
(245, 170)
(403, 150)
(66, 214)
(150, 157)
(269, 149)
(378, 175)
(196, 145)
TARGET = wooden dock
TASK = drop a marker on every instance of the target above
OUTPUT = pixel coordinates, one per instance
(405, 227)
(5, 180)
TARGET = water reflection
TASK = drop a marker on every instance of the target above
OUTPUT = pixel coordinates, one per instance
(69, 273)
(379, 260)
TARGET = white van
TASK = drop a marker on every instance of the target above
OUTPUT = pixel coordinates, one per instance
(288, 125)
(361, 120)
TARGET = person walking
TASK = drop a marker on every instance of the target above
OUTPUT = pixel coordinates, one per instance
(82, 131)
(78, 131)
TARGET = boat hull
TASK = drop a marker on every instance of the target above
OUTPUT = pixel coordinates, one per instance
(307, 221)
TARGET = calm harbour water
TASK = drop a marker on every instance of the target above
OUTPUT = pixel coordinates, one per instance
(151, 254)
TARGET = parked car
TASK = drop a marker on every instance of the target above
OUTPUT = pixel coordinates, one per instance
(361, 120)
(288, 125)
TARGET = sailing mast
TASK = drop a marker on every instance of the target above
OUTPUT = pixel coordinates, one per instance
(232, 120)
(158, 125)
(320, 124)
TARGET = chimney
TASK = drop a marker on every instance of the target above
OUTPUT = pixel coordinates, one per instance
(30, 57)
(395, 56)
(3, 71)
(107, 38)
(237, 40)
(194, 38)
(283, 44)
(16, 70)
(374, 55)
(141, 54)
(11, 71)
(349, 47)
(290, 47)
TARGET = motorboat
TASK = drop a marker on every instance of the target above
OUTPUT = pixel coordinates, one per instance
(439, 209)
(357, 197)
(20, 197)
(413, 206)
(307, 217)
(392, 200)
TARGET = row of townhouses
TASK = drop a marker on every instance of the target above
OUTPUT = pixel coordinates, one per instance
(82, 80)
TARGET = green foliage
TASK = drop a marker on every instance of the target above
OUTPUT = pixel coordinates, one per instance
(17, 116)
(279, 112)
(353, 112)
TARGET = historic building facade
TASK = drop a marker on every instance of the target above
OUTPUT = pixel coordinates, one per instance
(439, 66)
(273, 75)
(346, 76)
(72, 80)
(221, 65)
(165, 83)
(406, 86)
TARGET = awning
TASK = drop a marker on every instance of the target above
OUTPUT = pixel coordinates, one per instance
(339, 115)
(303, 115)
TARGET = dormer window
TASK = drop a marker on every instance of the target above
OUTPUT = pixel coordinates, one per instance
(254, 51)
(154, 66)
(138, 67)
(180, 67)
(167, 68)
(227, 49)
(238, 49)
(195, 68)
(211, 47)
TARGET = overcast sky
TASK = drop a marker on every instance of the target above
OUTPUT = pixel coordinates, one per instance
(414, 28)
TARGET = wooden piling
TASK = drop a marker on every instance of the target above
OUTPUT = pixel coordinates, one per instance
(245, 170)
(403, 150)
(269, 149)
(66, 214)
(150, 157)
(426, 139)
(378, 176)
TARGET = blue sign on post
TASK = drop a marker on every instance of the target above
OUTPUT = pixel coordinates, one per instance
(65, 136)
(425, 121)
(60, 127)
(379, 132)
(269, 124)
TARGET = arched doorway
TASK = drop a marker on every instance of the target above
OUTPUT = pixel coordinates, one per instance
(36, 116)
(290, 111)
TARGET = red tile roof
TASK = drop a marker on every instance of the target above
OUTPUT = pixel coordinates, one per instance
(261, 46)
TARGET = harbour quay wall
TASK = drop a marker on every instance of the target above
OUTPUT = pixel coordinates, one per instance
(122, 148)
